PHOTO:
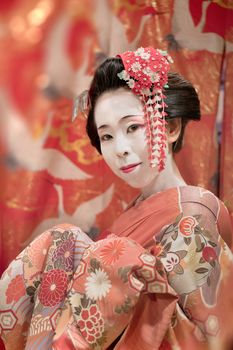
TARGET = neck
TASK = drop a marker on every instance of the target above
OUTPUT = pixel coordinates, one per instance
(168, 178)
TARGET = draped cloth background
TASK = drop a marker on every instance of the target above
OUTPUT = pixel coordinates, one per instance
(49, 173)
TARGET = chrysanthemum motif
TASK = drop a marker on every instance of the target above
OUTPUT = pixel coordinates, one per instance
(53, 287)
(112, 251)
(97, 285)
(136, 67)
(65, 253)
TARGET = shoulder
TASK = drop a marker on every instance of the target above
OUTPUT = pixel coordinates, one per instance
(210, 209)
(201, 198)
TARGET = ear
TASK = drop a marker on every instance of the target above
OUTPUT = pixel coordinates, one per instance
(173, 130)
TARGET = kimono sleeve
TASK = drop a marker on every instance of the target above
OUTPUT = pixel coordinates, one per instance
(109, 282)
(34, 287)
(199, 265)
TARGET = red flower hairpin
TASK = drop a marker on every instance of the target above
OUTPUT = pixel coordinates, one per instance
(146, 73)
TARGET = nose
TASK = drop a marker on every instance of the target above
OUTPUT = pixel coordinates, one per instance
(122, 146)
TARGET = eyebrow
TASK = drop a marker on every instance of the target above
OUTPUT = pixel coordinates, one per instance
(104, 126)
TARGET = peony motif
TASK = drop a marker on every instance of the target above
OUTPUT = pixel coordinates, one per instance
(170, 261)
(53, 287)
(15, 290)
(98, 285)
(187, 225)
(65, 252)
(112, 252)
(91, 324)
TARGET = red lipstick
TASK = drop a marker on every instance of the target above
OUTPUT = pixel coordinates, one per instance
(129, 168)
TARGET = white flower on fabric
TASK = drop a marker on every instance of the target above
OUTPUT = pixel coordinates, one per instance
(140, 51)
(98, 285)
(131, 83)
(136, 67)
(171, 260)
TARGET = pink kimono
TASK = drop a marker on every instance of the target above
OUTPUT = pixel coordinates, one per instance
(162, 279)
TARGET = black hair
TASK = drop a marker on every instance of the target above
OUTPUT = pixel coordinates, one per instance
(181, 98)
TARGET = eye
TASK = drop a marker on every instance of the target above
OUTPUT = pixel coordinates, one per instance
(134, 127)
(105, 137)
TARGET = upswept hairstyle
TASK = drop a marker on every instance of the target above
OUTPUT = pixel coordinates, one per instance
(181, 98)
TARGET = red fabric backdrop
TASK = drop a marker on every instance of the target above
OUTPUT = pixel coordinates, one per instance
(49, 173)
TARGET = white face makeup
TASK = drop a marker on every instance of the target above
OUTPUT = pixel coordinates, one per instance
(120, 124)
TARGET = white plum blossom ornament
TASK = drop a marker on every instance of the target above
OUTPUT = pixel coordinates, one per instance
(131, 83)
(136, 67)
(140, 51)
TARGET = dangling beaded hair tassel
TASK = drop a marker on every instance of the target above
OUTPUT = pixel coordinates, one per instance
(146, 73)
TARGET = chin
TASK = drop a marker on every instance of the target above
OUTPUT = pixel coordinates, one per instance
(137, 184)
(142, 181)
(133, 185)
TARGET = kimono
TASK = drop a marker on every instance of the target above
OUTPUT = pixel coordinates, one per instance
(159, 278)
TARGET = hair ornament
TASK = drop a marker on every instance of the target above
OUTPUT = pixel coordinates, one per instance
(81, 104)
(146, 74)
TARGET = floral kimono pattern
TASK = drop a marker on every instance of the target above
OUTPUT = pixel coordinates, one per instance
(161, 279)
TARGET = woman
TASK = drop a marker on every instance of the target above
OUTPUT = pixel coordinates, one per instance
(160, 277)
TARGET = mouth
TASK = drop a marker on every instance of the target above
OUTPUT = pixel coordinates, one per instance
(129, 168)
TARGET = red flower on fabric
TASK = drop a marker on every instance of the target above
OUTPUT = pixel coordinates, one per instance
(91, 323)
(53, 287)
(186, 225)
(15, 290)
(209, 254)
(65, 253)
(112, 251)
(156, 250)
